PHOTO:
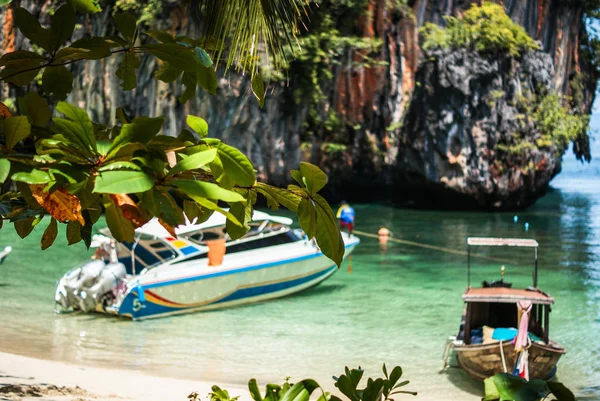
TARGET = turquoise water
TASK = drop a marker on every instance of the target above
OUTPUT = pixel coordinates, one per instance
(396, 306)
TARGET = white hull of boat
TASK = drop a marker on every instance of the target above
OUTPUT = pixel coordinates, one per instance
(243, 278)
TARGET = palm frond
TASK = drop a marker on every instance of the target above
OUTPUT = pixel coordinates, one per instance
(251, 28)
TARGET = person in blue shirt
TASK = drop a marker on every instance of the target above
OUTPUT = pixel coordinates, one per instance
(345, 216)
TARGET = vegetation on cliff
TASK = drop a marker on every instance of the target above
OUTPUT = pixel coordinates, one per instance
(486, 29)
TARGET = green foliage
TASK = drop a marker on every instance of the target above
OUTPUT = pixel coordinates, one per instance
(486, 29)
(519, 146)
(184, 56)
(506, 387)
(557, 123)
(73, 169)
(145, 11)
(379, 389)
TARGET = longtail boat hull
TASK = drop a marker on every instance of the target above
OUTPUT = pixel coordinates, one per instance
(484, 360)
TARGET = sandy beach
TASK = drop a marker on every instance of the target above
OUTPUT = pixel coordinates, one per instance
(30, 379)
(24, 378)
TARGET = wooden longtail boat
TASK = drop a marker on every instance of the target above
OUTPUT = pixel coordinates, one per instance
(493, 308)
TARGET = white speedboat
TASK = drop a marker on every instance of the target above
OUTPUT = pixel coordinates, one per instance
(159, 275)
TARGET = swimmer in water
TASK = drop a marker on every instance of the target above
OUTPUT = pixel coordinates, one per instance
(384, 235)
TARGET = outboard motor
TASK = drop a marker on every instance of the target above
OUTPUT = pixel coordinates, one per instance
(72, 283)
(107, 281)
(89, 287)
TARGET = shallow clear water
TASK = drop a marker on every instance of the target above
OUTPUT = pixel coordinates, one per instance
(396, 306)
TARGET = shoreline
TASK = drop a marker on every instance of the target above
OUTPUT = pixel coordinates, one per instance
(24, 378)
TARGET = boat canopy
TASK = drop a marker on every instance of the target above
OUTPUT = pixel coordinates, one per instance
(509, 242)
(506, 295)
(154, 229)
(520, 242)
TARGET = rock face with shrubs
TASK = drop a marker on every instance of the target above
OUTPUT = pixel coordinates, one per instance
(484, 126)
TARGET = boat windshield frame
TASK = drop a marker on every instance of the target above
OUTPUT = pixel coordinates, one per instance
(502, 242)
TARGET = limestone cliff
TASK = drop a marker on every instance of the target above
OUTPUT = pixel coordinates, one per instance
(366, 129)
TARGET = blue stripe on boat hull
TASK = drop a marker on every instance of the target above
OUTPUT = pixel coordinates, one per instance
(150, 309)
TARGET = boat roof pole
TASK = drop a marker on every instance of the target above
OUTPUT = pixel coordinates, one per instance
(468, 266)
(535, 271)
(137, 240)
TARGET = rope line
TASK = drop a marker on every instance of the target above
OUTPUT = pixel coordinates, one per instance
(433, 247)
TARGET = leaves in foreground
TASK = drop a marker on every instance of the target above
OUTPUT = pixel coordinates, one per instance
(79, 170)
(506, 387)
(379, 389)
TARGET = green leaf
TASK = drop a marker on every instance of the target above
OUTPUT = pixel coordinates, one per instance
(254, 391)
(36, 108)
(207, 79)
(258, 88)
(297, 176)
(243, 212)
(237, 169)
(198, 124)
(4, 2)
(127, 25)
(123, 182)
(162, 205)
(314, 178)
(276, 196)
(120, 228)
(63, 25)
(126, 70)
(214, 207)
(490, 390)
(94, 48)
(560, 391)
(189, 81)
(203, 57)
(15, 130)
(162, 36)
(328, 235)
(120, 165)
(24, 227)
(85, 6)
(206, 190)
(300, 391)
(186, 136)
(21, 66)
(395, 375)
(177, 56)
(344, 384)
(307, 217)
(83, 124)
(141, 129)
(57, 81)
(166, 143)
(50, 234)
(195, 213)
(4, 169)
(515, 388)
(72, 141)
(31, 29)
(166, 73)
(73, 232)
(35, 177)
(194, 161)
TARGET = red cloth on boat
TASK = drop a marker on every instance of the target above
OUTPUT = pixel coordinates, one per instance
(522, 340)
